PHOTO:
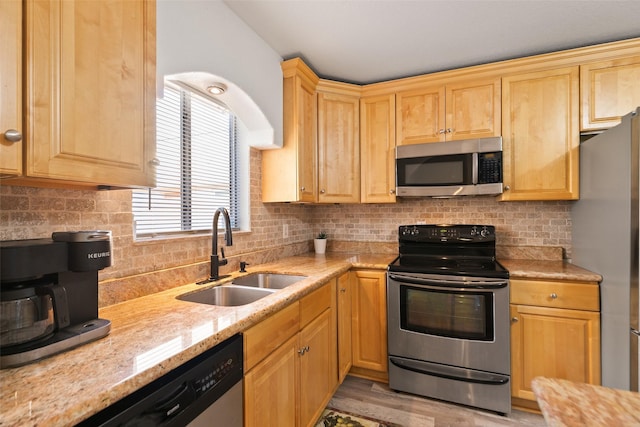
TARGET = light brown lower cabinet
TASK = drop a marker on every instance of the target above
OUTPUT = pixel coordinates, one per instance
(369, 324)
(291, 363)
(555, 332)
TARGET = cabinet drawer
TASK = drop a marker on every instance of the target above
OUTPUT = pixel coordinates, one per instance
(558, 294)
(263, 338)
(315, 303)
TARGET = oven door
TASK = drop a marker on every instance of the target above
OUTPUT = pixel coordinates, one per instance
(450, 320)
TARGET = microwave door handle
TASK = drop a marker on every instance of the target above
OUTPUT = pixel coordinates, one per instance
(474, 169)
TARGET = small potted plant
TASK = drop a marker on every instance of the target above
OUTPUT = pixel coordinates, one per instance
(320, 243)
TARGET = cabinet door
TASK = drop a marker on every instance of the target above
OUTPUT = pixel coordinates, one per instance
(344, 326)
(369, 302)
(608, 91)
(10, 86)
(289, 174)
(540, 135)
(473, 110)
(270, 388)
(377, 149)
(318, 378)
(555, 343)
(420, 116)
(90, 91)
(338, 148)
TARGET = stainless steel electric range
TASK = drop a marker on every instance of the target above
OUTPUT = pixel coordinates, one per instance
(448, 316)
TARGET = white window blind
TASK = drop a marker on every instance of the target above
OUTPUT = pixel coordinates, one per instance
(196, 147)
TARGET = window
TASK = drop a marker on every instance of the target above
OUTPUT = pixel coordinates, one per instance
(197, 150)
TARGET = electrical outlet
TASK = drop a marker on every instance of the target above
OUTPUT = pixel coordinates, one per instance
(285, 231)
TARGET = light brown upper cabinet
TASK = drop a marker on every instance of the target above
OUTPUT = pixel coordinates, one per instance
(464, 110)
(540, 135)
(608, 91)
(290, 174)
(90, 89)
(11, 88)
(338, 143)
(377, 149)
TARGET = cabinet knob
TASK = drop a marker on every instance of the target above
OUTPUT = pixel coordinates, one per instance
(12, 135)
(301, 351)
(392, 191)
(155, 162)
(449, 130)
(343, 290)
(507, 188)
(302, 188)
(514, 320)
(441, 131)
(322, 191)
(553, 295)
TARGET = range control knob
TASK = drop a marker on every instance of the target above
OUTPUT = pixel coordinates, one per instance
(484, 232)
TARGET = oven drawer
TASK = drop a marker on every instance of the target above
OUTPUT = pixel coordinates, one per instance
(557, 294)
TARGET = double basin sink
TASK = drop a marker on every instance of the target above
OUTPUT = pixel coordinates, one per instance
(242, 290)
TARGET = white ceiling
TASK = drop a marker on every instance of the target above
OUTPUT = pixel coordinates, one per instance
(366, 41)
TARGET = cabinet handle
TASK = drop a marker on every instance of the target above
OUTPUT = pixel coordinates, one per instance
(392, 191)
(12, 135)
(441, 131)
(553, 295)
(302, 188)
(322, 191)
(343, 290)
(307, 348)
(514, 320)
(449, 130)
(301, 351)
(507, 188)
(155, 162)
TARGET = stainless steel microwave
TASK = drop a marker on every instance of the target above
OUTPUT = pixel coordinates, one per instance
(447, 169)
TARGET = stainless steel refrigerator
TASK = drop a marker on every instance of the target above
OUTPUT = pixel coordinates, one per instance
(605, 224)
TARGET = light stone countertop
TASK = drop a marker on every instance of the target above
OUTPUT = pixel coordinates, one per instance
(548, 270)
(154, 334)
(149, 337)
(570, 404)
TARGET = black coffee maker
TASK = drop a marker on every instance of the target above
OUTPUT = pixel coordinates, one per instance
(49, 294)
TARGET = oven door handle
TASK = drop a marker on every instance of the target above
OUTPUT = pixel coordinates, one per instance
(448, 284)
(450, 373)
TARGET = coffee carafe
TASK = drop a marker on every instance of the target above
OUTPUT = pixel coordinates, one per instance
(49, 294)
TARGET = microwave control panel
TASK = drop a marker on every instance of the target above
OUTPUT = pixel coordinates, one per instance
(490, 167)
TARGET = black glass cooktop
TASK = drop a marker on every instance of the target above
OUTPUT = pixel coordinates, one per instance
(459, 250)
(455, 267)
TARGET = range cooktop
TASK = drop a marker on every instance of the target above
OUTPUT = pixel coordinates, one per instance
(459, 250)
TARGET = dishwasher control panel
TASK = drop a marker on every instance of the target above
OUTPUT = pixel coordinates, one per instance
(216, 372)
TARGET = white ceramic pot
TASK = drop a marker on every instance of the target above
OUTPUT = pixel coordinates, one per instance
(320, 245)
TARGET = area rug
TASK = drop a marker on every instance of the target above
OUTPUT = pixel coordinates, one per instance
(333, 418)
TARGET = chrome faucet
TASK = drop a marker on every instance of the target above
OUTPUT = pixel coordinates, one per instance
(216, 262)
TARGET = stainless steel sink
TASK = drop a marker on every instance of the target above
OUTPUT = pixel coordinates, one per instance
(226, 295)
(268, 280)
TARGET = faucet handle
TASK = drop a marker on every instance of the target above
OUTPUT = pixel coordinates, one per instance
(222, 252)
(243, 266)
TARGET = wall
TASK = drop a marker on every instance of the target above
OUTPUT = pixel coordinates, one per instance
(142, 267)
(206, 36)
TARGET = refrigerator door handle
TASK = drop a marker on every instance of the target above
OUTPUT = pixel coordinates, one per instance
(635, 332)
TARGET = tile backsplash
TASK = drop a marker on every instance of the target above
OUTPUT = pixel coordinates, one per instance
(27, 212)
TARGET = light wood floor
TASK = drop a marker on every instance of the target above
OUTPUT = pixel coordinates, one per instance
(376, 400)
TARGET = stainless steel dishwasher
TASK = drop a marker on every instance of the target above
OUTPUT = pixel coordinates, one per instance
(205, 391)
